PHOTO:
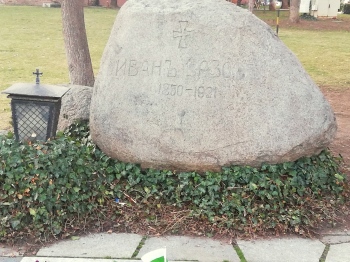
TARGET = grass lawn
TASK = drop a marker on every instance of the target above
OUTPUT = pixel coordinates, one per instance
(31, 37)
(321, 46)
(324, 54)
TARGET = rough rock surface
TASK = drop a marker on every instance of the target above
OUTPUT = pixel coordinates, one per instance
(75, 106)
(3, 132)
(201, 84)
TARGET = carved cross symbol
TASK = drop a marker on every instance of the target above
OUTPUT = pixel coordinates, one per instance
(182, 33)
(38, 74)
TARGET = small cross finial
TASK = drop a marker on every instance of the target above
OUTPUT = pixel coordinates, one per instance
(38, 74)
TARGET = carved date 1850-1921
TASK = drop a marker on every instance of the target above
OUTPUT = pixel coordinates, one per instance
(179, 90)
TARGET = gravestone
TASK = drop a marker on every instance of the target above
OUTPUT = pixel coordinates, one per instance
(201, 84)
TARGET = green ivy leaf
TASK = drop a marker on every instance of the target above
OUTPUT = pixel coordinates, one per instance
(75, 238)
(32, 212)
(15, 223)
(339, 177)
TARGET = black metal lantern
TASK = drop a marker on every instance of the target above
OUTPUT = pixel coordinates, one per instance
(35, 109)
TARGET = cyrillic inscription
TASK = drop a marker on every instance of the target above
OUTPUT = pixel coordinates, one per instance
(168, 68)
(145, 68)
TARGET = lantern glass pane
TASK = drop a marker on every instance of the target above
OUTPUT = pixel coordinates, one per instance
(32, 121)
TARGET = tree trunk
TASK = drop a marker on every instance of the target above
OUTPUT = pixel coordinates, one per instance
(284, 4)
(239, 2)
(251, 5)
(294, 11)
(77, 49)
(272, 5)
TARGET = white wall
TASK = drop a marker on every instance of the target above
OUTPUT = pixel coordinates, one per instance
(325, 8)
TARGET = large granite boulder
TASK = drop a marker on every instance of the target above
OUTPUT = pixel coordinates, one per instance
(201, 84)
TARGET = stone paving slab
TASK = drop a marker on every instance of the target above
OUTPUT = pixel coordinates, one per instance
(282, 249)
(11, 259)
(187, 248)
(8, 252)
(69, 259)
(95, 246)
(339, 253)
(61, 259)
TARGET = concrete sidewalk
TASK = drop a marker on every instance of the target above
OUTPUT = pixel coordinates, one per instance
(113, 247)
